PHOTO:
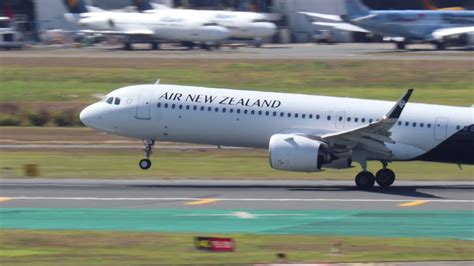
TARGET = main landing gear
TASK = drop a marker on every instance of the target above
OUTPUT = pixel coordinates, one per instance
(146, 163)
(366, 180)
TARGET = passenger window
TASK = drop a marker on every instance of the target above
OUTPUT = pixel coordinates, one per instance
(310, 117)
(224, 110)
(458, 127)
(356, 119)
(238, 111)
(289, 114)
(274, 113)
(173, 106)
(252, 112)
(195, 108)
(348, 119)
(363, 120)
(202, 108)
(209, 108)
(282, 114)
(422, 125)
(246, 111)
(267, 113)
(399, 123)
(159, 105)
(117, 101)
(217, 109)
(259, 112)
(329, 117)
(296, 115)
(166, 105)
(414, 124)
(429, 125)
(317, 117)
(231, 110)
(303, 116)
(110, 100)
(180, 106)
(370, 120)
(407, 123)
(340, 118)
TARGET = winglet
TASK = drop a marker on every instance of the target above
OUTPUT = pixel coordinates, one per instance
(397, 109)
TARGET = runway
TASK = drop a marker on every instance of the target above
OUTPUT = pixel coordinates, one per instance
(309, 51)
(439, 210)
(224, 195)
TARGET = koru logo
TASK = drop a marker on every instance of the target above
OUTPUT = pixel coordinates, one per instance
(402, 104)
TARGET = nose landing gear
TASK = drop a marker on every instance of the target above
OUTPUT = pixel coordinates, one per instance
(146, 163)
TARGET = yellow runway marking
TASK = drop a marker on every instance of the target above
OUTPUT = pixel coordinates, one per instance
(203, 201)
(3, 199)
(413, 203)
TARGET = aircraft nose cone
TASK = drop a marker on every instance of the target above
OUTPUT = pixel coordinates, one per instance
(219, 33)
(85, 116)
(268, 28)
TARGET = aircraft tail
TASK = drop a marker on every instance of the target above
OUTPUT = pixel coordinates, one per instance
(142, 5)
(76, 6)
(355, 8)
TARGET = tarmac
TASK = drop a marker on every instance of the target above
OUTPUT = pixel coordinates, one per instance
(438, 210)
(308, 51)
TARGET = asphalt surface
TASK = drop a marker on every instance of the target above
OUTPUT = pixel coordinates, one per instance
(361, 51)
(226, 195)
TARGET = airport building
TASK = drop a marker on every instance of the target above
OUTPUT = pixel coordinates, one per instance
(34, 16)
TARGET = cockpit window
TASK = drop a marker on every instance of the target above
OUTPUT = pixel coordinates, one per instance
(117, 101)
(110, 100)
(210, 24)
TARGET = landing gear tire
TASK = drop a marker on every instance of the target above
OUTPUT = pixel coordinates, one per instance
(385, 177)
(401, 46)
(144, 164)
(127, 46)
(440, 46)
(155, 46)
(365, 180)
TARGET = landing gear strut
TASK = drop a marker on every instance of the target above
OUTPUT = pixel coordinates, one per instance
(384, 177)
(146, 163)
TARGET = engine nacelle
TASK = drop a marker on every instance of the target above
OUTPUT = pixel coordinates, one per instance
(298, 153)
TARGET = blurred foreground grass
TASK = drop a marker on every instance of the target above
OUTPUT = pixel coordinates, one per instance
(28, 247)
(450, 82)
(207, 164)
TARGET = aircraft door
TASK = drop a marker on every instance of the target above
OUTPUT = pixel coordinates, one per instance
(440, 128)
(144, 104)
(340, 119)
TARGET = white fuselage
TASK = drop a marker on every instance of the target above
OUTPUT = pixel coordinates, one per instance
(171, 27)
(243, 25)
(251, 118)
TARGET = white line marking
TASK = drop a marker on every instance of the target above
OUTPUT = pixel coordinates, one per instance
(235, 199)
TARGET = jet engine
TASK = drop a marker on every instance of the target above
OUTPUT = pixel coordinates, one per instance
(298, 153)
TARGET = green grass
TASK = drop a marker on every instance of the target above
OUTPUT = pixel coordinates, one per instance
(23, 247)
(212, 164)
(449, 83)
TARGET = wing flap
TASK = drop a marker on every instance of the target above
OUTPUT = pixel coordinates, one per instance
(342, 26)
(323, 16)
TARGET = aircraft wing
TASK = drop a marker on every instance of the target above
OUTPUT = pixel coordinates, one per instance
(342, 26)
(441, 33)
(323, 16)
(371, 137)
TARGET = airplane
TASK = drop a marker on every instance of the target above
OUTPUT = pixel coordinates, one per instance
(402, 26)
(148, 28)
(303, 133)
(428, 5)
(242, 25)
